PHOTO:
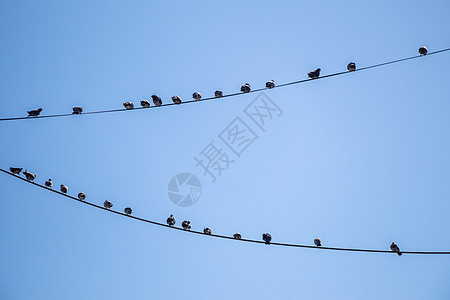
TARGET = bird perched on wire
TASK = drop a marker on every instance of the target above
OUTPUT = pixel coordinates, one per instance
(64, 189)
(270, 84)
(107, 204)
(218, 94)
(15, 171)
(207, 230)
(34, 112)
(176, 99)
(197, 96)
(128, 105)
(237, 236)
(77, 110)
(395, 249)
(351, 67)
(156, 100)
(29, 176)
(314, 74)
(49, 183)
(267, 238)
(82, 196)
(245, 88)
(423, 50)
(186, 225)
(170, 221)
(128, 210)
(317, 242)
(145, 103)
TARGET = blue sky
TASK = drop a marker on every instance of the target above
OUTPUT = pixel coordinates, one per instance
(360, 160)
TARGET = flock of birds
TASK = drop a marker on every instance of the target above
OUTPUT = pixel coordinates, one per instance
(186, 225)
(78, 110)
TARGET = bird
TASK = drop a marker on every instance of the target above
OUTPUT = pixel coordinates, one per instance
(145, 103)
(34, 112)
(395, 249)
(29, 176)
(314, 74)
(77, 110)
(207, 230)
(351, 67)
(237, 236)
(156, 100)
(267, 238)
(170, 220)
(270, 84)
(128, 210)
(176, 99)
(218, 94)
(317, 242)
(49, 183)
(64, 189)
(82, 196)
(107, 204)
(423, 50)
(128, 105)
(245, 88)
(186, 225)
(15, 171)
(197, 96)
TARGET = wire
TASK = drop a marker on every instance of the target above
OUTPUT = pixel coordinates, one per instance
(233, 94)
(217, 235)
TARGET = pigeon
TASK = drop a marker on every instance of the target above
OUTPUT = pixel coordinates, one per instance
(128, 105)
(170, 220)
(270, 84)
(145, 103)
(197, 96)
(64, 189)
(423, 50)
(351, 67)
(396, 249)
(34, 113)
(317, 242)
(218, 94)
(156, 100)
(107, 204)
(315, 74)
(77, 110)
(176, 99)
(267, 238)
(15, 171)
(237, 236)
(186, 225)
(245, 88)
(82, 196)
(29, 176)
(128, 210)
(49, 183)
(207, 230)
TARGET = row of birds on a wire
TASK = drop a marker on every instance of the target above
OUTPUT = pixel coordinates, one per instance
(186, 225)
(246, 88)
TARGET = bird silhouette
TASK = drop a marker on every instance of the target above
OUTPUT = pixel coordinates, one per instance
(207, 230)
(128, 105)
(128, 210)
(34, 112)
(15, 171)
(29, 176)
(186, 225)
(237, 236)
(197, 96)
(351, 67)
(49, 183)
(156, 100)
(77, 110)
(245, 88)
(267, 238)
(317, 242)
(176, 99)
(218, 94)
(107, 204)
(64, 189)
(170, 221)
(395, 249)
(145, 103)
(270, 84)
(82, 196)
(314, 74)
(423, 50)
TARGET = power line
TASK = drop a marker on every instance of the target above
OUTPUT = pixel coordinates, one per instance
(232, 94)
(217, 235)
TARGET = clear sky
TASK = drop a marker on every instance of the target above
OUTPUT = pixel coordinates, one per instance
(359, 160)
